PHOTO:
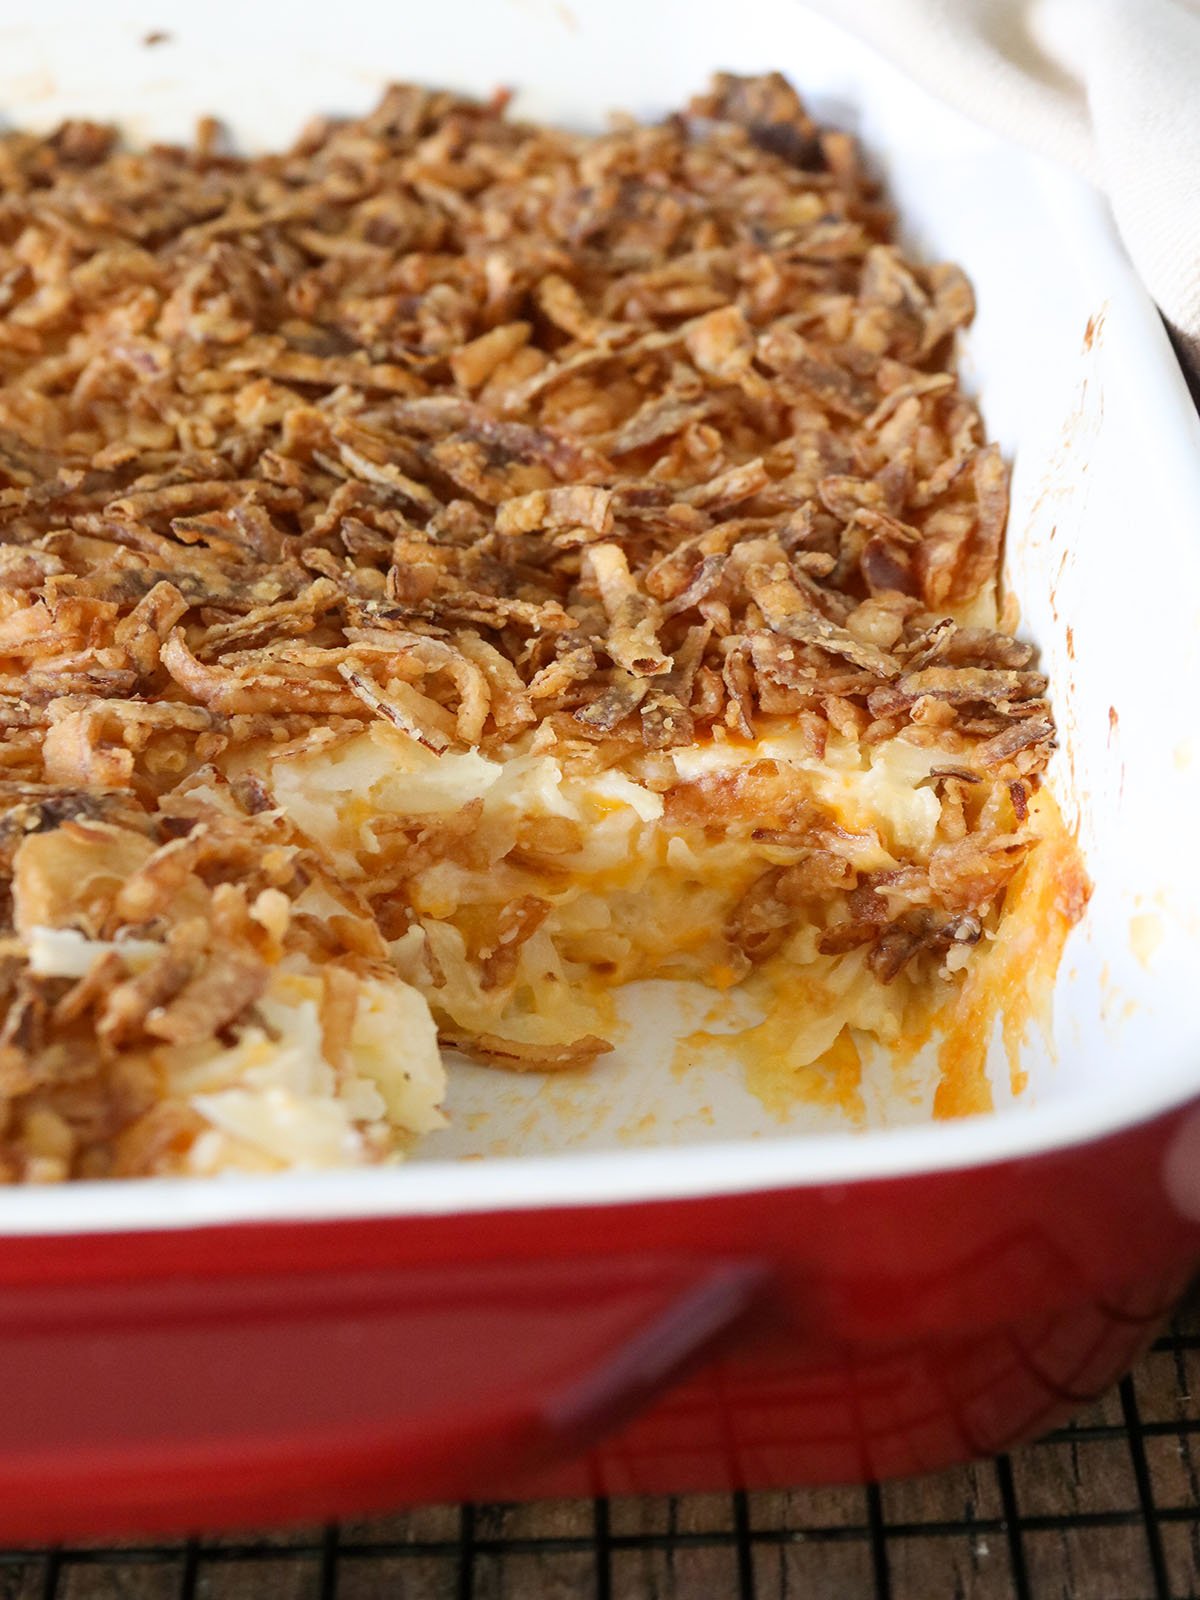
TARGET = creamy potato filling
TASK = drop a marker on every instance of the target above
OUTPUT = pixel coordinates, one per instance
(522, 889)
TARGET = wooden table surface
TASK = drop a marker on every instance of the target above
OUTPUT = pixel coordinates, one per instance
(1108, 1509)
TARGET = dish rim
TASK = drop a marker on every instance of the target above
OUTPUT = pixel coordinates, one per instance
(715, 1168)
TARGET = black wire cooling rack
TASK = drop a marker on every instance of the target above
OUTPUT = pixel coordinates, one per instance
(1105, 1509)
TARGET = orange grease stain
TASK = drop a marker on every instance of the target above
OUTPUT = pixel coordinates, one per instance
(1145, 935)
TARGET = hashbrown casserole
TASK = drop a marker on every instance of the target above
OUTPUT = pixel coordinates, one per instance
(454, 567)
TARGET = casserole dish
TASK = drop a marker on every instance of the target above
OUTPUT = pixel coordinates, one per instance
(655, 1282)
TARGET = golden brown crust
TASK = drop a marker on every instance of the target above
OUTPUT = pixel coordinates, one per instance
(429, 356)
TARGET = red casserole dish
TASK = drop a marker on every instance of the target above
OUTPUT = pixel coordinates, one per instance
(748, 1302)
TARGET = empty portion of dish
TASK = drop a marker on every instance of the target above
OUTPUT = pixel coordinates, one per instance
(454, 568)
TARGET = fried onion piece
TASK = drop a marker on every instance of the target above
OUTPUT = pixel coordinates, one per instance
(971, 872)
(581, 506)
(475, 362)
(787, 610)
(142, 632)
(632, 639)
(405, 708)
(125, 1011)
(227, 983)
(519, 920)
(1012, 742)
(519, 1056)
(74, 752)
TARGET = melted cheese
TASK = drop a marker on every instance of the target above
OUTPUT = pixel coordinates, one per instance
(1013, 986)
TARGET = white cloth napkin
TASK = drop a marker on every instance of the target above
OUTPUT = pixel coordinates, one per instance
(1110, 86)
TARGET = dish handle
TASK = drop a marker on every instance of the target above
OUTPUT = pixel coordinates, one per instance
(692, 1325)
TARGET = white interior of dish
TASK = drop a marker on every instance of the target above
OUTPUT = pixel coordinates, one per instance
(1102, 556)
